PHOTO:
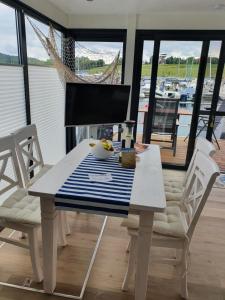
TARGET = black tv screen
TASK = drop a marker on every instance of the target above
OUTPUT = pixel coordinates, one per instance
(89, 104)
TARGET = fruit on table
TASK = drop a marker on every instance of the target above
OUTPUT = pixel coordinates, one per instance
(106, 144)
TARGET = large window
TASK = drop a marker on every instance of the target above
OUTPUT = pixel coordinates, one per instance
(93, 58)
(12, 99)
(93, 54)
(8, 36)
(46, 95)
(36, 53)
(175, 89)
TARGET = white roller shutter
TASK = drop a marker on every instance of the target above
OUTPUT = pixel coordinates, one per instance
(12, 100)
(47, 111)
(12, 109)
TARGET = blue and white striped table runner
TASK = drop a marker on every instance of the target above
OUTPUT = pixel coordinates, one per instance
(107, 198)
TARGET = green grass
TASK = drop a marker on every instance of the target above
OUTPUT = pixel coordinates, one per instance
(177, 71)
(167, 70)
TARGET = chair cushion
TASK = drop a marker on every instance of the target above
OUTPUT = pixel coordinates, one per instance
(173, 184)
(42, 171)
(172, 222)
(21, 208)
(174, 175)
(173, 190)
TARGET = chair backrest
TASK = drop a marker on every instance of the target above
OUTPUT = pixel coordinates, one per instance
(165, 115)
(8, 159)
(198, 188)
(204, 146)
(28, 151)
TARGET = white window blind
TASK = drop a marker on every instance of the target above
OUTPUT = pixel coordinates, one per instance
(47, 111)
(12, 109)
(12, 100)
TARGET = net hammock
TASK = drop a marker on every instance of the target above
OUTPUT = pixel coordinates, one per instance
(65, 64)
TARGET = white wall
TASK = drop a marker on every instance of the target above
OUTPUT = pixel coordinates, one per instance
(49, 10)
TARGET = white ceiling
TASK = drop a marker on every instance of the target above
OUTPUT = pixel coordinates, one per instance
(121, 7)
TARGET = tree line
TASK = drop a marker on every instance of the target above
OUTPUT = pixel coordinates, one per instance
(85, 63)
(172, 60)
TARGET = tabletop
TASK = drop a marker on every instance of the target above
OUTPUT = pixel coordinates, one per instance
(148, 187)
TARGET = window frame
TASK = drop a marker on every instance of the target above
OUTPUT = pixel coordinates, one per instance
(179, 35)
(102, 35)
(20, 10)
(17, 35)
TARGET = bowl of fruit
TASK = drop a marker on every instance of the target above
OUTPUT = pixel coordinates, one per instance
(103, 149)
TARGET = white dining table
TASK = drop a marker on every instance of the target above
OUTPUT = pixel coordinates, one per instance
(147, 197)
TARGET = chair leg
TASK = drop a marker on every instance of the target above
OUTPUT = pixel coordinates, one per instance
(22, 235)
(131, 263)
(61, 229)
(34, 254)
(184, 269)
(66, 223)
(128, 247)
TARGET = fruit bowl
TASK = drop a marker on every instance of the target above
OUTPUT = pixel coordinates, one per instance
(102, 149)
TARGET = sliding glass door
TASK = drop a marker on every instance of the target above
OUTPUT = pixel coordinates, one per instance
(175, 82)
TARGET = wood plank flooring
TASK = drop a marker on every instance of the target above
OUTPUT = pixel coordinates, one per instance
(206, 280)
(179, 158)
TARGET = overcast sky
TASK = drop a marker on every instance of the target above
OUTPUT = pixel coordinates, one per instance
(181, 49)
(106, 51)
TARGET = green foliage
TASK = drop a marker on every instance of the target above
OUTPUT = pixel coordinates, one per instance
(8, 59)
(13, 60)
(182, 70)
(84, 63)
(35, 61)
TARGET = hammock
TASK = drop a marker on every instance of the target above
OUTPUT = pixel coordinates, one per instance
(65, 66)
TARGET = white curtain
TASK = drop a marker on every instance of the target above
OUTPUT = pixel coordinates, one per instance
(12, 100)
(47, 100)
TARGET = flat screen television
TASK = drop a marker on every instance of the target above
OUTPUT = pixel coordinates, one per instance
(92, 104)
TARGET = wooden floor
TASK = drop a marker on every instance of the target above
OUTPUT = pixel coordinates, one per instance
(206, 280)
(181, 151)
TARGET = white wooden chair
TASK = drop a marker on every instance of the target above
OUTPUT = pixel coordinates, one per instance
(174, 181)
(174, 228)
(31, 161)
(19, 211)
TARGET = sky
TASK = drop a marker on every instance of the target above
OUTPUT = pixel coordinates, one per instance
(106, 50)
(180, 49)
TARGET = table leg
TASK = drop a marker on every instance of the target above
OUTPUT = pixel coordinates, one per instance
(49, 243)
(143, 253)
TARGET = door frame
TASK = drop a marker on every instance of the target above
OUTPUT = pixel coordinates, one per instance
(205, 36)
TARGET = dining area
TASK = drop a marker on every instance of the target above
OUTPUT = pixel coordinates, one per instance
(76, 229)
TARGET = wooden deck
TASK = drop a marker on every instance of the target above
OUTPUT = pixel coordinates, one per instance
(206, 275)
(179, 158)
